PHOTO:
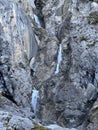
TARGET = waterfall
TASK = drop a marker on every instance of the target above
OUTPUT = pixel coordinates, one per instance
(59, 59)
(37, 20)
(35, 96)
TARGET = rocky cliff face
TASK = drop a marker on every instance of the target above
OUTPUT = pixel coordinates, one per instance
(31, 33)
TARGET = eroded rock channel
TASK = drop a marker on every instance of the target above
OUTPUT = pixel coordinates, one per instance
(48, 65)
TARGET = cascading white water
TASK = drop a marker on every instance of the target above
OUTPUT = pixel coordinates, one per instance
(35, 96)
(37, 20)
(59, 59)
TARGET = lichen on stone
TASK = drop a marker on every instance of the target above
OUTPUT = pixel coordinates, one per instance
(38, 127)
(93, 18)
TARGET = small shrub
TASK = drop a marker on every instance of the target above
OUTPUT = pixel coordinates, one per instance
(85, 0)
(7, 126)
(1, 99)
(83, 38)
(93, 18)
(37, 127)
(91, 45)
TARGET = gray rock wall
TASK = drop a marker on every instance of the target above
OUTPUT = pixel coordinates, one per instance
(28, 60)
(69, 96)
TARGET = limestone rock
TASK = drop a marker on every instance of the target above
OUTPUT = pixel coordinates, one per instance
(93, 117)
(10, 121)
(20, 123)
(28, 60)
(67, 98)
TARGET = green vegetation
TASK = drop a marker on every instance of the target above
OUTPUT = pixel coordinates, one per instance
(37, 127)
(7, 126)
(91, 45)
(1, 99)
(83, 38)
(85, 0)
(93, 18)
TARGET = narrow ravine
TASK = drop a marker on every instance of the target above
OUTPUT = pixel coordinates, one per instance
(48, 64)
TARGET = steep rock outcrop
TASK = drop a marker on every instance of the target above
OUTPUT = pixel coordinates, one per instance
(69, 96)
(18, 46)
(33, 31)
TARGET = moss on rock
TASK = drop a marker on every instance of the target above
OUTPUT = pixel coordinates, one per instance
(38, 127)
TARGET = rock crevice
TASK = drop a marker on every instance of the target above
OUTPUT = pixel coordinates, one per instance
(31, 32)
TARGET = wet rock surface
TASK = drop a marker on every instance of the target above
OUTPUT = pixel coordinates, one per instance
(30, 34)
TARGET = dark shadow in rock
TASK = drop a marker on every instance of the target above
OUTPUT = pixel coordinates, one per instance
(39, 5)
(5, 92)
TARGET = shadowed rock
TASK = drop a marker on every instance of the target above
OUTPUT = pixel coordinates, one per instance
(64, 28)
(5, 92)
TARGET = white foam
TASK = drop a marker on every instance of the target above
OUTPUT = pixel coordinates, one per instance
(35, 96)
(37, 20)
(59, 59)
(57, 127)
